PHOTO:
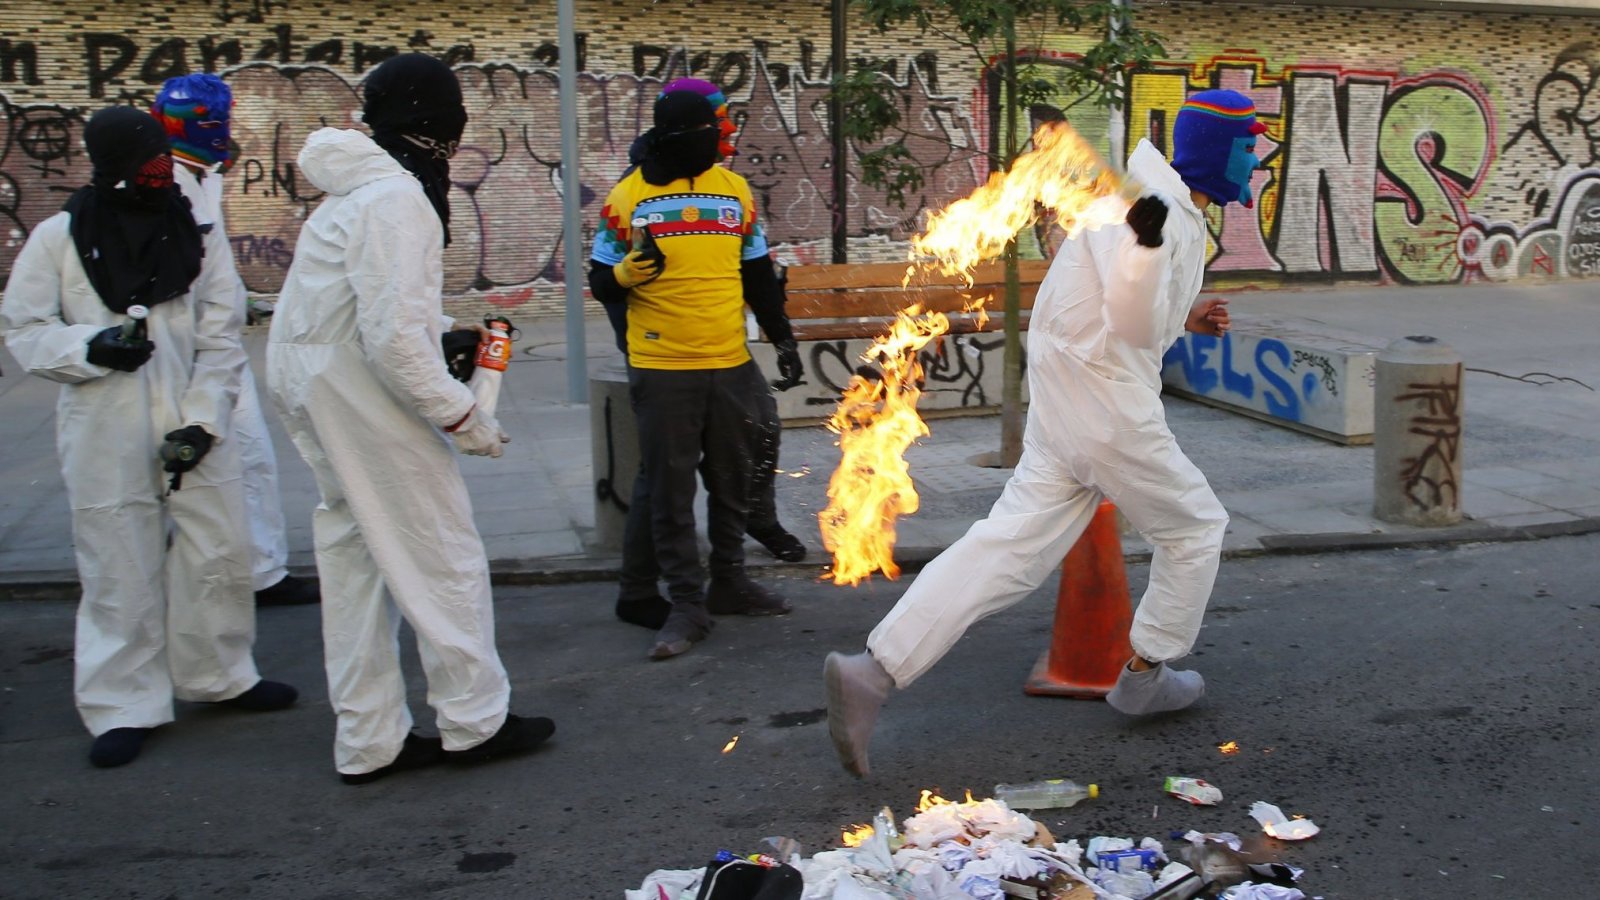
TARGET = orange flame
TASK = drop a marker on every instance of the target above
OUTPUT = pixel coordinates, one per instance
(728, 747)
(877, 419)
(856, 835)
(1229, 748)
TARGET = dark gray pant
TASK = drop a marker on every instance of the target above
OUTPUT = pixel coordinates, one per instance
(698, 420)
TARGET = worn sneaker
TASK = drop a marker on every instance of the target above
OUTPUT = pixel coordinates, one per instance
(516, 735)
(289, 591)
(686, 626)
(740, 596)
(417, 752)
(117, 747)
(857, 687)
(780, 543)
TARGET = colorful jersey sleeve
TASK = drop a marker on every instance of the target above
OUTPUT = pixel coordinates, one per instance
(755, 237)
(613, 238)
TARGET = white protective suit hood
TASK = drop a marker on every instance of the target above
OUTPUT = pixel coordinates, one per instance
(339, 160)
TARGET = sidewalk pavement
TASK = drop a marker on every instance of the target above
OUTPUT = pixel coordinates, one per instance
(1531, 449)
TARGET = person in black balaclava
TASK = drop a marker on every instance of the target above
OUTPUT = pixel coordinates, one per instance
(161, 618)
(357, 371)
(413, 105)
(680, 246)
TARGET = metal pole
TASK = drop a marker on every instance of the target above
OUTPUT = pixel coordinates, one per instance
(571, 207)
(841, 159)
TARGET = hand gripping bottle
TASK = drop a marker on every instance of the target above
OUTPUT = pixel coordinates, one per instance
(135, 330)
(494, 352)
(1053, 794)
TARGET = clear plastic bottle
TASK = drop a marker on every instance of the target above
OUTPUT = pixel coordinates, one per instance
(1055, 793)
(135, 329)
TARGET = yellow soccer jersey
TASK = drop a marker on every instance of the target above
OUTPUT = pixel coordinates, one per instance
(692, 315)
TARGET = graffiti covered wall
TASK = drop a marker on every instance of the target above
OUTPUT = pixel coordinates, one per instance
(1382, 162)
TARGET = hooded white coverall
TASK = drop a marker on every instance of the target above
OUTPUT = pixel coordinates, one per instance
(1105, 312)
(154, 623)
(355, 367)
(269, 541)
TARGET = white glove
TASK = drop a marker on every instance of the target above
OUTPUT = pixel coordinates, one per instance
(480, 435)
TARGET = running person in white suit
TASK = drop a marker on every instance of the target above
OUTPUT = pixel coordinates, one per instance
(162, 617)
(355, 366)
(196, 111)
(1114, 299)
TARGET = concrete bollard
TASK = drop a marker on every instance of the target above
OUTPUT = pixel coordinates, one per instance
(1416, 435)
(613, 453)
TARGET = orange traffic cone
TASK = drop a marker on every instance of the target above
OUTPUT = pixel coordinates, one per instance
(1089, 645)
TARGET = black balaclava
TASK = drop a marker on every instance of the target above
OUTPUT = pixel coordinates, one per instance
(683, 142)
(412, 103)
(131, 225)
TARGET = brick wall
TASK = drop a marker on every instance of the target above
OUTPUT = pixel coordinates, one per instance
(1404, 146)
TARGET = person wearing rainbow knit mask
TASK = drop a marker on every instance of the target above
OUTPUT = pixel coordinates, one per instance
(1114, 299)
(196, 111)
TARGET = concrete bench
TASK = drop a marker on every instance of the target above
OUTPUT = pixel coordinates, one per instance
(837, 310)
(1291, 372)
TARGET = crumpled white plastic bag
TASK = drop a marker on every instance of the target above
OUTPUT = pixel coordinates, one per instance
(1103, 844)
(668, 884)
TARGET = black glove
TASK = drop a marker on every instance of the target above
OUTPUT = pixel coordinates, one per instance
(1146, 217)
(789, 366)
(461, 352)
(183, 451)
(108, 349)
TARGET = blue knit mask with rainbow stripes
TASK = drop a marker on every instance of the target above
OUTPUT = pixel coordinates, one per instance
(1214, 144)
(195, 110)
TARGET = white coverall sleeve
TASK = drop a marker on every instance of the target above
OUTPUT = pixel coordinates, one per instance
(1133, 276)
(398, 315)
(42, 342)
(219, 354)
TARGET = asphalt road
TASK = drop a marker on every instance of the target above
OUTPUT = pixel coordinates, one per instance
(1433, 710)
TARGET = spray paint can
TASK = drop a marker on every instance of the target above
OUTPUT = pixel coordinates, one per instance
(494, 353)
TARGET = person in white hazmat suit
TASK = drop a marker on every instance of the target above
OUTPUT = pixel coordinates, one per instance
(356, 369)
(1114, 299)
(196, 111)
(167, 610)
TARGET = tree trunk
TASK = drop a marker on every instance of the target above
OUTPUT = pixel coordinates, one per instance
(1011, 416)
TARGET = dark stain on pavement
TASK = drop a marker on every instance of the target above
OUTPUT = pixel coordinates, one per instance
(1412, 716)
(484, 862)
(792, 719)
(47, 654)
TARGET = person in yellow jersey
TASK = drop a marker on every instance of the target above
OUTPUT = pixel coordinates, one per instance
(680, 245)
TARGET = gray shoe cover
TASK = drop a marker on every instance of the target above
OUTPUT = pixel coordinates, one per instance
(857, 689)
(1155, 690)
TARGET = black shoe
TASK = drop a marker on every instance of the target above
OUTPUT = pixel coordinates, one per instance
(266, 696)
(117, 747)
(740, 596)
(289, 591)
(780, 543)
(517, 735)
(417, 752)
(649, 612)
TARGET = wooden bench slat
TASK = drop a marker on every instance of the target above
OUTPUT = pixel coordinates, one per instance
(849, 276)
(841, 331)
(887, 303)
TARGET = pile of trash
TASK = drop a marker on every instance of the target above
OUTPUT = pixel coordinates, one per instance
(985, 850)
